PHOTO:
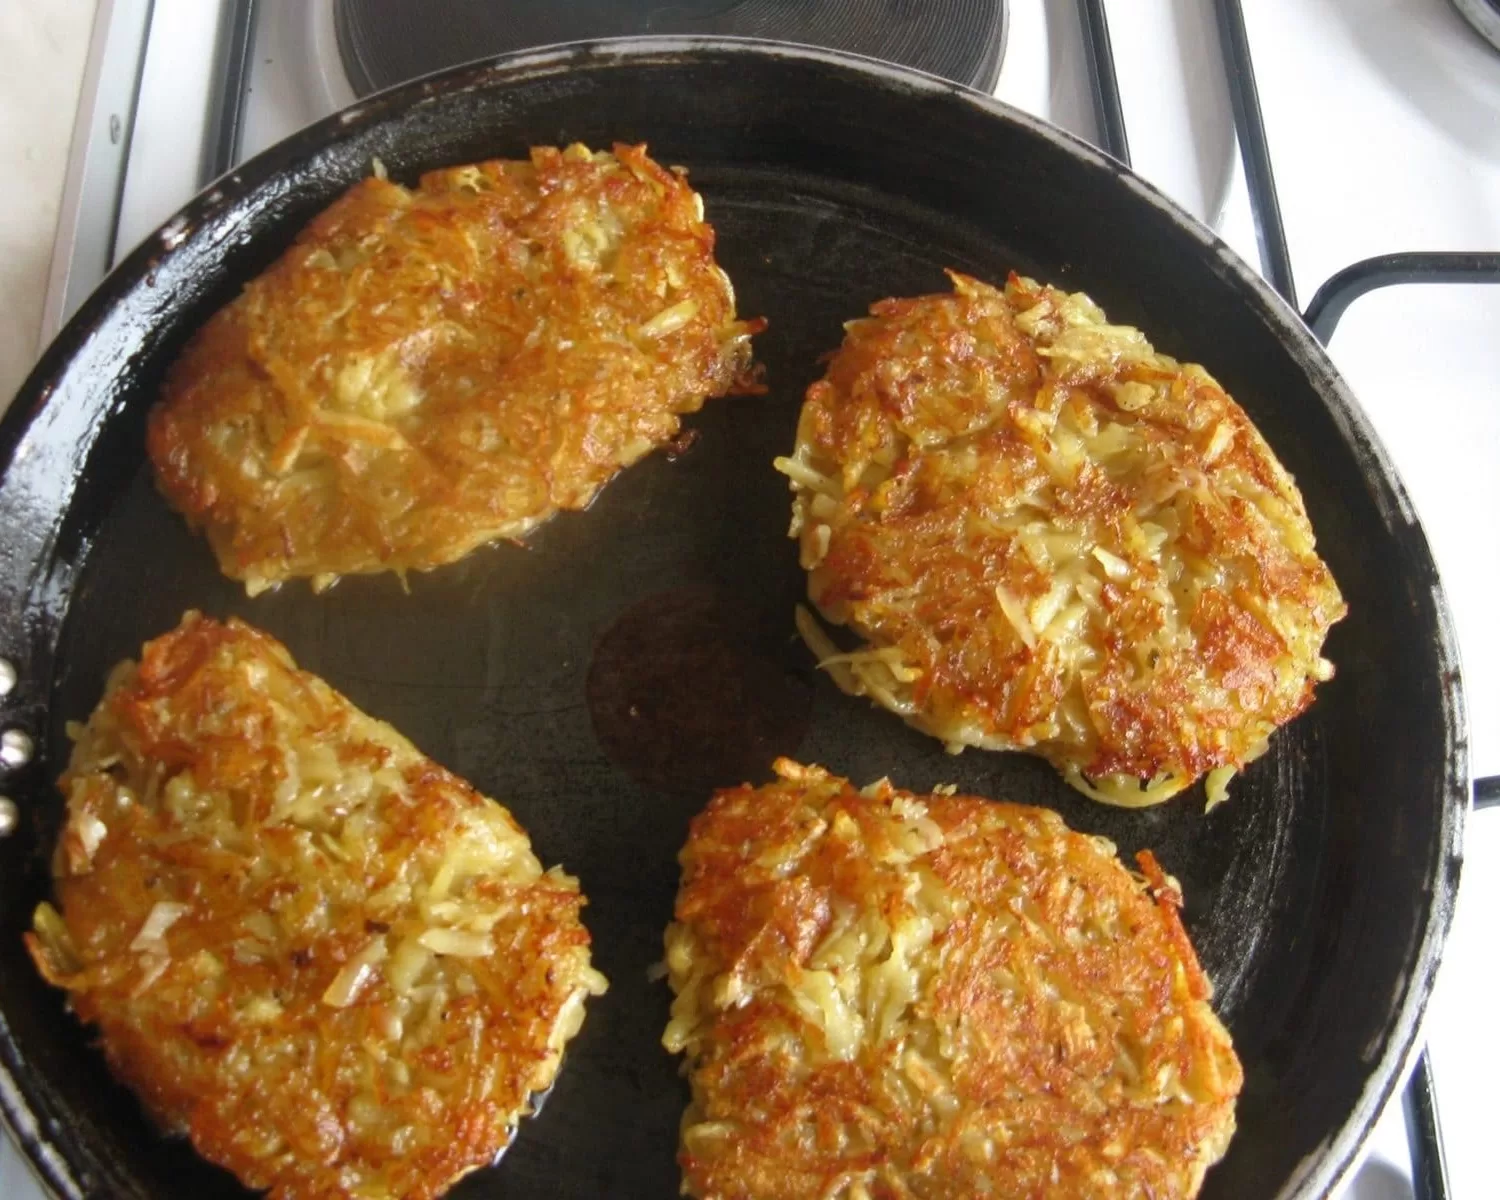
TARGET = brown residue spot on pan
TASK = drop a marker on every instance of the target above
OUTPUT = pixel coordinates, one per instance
(687, 691)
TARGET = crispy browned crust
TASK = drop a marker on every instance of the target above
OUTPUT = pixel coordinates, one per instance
(249, 877)
(1028, 1019)
(1071, 544)
(428, 370)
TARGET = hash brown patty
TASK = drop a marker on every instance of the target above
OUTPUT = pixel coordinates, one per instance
(333, 965)
(1054, 539)
(427, 370)
(884, 996)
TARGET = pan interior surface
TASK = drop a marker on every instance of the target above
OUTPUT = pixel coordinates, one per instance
(602, 679)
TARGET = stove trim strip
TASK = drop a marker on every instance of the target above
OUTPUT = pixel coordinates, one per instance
(89, 212)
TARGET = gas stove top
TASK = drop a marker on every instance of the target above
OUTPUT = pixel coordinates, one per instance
(1381, 134)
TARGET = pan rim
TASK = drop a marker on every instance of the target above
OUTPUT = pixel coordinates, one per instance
(1323, 1169)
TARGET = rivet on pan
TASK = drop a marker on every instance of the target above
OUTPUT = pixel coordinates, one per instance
(7, 677)
(10, 816)
(15, 748)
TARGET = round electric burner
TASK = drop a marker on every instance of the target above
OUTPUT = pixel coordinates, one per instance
(1484, 15)
(386, 42)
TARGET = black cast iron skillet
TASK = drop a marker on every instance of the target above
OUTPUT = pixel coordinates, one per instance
(1318, 897)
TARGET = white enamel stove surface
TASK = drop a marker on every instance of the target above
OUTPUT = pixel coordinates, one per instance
(1384, 123)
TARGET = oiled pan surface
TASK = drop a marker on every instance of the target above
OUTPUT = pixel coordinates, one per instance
(602, 679)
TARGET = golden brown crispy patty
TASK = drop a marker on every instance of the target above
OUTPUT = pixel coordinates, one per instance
(335, 966)
(1055, 539)
(886, 996)
(426, 371)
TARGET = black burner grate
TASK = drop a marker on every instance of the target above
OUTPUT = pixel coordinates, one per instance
(386, 42)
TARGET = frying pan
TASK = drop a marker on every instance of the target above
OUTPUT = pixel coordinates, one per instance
(1318, 897)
